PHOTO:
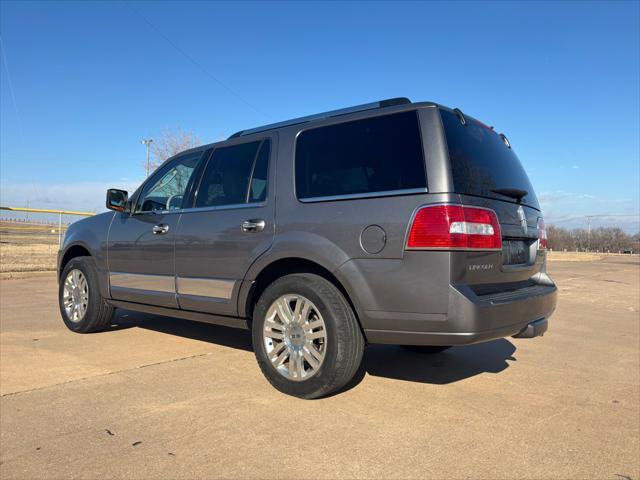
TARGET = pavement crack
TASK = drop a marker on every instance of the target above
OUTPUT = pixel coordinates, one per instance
(114, 372)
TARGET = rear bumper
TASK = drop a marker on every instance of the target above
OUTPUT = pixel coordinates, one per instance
(475, 318)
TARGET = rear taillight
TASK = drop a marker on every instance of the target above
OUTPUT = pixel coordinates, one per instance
(542, 235)
(455, 227)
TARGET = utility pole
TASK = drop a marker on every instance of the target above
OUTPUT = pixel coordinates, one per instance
(60, 230)
(147, 142)
(589, 217)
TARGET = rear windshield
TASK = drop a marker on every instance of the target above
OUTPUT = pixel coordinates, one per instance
(481, 163)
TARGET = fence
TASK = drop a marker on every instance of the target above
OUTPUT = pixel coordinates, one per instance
(30, 237)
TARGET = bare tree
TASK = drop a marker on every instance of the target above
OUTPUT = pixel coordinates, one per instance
(171, 142)
(603, 239)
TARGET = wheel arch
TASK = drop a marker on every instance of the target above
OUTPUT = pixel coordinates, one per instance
(287, 266)
(73, 251)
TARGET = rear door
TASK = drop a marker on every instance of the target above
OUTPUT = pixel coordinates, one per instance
(486, 172)
(229, 225)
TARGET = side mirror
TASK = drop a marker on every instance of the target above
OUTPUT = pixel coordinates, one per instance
(117, 199)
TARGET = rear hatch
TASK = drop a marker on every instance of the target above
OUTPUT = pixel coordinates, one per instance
(487, 173)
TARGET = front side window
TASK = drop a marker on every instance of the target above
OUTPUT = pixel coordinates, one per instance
(235, 175)
(378, 154)
(166, 189)
(258, 188)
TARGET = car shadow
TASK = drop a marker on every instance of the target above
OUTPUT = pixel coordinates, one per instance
(205, 332)
(450, 366)
(389, 361)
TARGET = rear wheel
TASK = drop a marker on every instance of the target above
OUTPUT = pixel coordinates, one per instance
(82, 307)
(426, 349)
(306, 337)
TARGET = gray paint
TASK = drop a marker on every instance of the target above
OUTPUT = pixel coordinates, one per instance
(91, 234)
(133, 248)
(210, 242)
(205, 265)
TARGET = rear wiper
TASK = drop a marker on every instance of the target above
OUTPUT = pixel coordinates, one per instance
(511, 192)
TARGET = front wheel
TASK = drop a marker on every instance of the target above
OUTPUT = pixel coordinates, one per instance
(306, 337)
(82, 307)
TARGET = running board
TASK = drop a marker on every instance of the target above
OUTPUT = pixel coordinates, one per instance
(233, 322)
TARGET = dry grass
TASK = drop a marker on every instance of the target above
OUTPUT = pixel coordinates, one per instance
(27, 247)
(586, 256)
(27, 257)
(574, 256)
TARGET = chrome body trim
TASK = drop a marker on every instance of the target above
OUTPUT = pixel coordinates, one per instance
(135, 281)
(233, 206)
(200, 287)
(205, 287)
(354, 196)
(522, 218)
(156, 212)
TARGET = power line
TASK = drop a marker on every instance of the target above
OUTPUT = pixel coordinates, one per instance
(10, 82)
(197, 64)
(589, 217)
(15, 107)
(572, 218)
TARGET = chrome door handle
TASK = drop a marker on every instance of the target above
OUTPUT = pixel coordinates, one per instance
(160, 229)
(254, 225)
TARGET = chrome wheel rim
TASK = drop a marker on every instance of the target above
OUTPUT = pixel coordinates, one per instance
(75, 295)
(295, 337)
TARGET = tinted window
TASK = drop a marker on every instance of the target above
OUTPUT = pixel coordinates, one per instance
(258, 189)
(226, 178)
(480, 161)
(166, 189)
(364, 156)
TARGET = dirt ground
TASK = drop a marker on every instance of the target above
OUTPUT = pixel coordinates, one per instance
(28, 247)
(166, 398)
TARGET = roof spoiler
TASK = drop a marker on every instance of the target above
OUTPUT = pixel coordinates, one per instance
(333, 113)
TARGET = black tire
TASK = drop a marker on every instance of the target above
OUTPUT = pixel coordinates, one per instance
(345, 343)
(99, 313)
(426, 349)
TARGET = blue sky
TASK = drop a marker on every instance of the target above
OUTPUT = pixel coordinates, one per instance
(83, 82)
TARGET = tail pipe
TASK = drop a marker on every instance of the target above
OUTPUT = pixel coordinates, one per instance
(534, 329)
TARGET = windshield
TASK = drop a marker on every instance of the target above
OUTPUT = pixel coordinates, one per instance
(481, 163)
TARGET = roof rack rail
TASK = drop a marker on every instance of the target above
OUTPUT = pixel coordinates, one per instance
(333, 113)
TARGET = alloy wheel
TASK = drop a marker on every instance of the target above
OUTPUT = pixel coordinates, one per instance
(295, 337)
(75, 295)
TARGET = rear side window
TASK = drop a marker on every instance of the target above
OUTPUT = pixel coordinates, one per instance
(481, 163)
(226, 179)
(378, 154)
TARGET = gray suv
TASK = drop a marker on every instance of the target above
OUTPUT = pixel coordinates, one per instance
(392, 222)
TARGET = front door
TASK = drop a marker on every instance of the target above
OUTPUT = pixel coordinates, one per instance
(141, 242)
(230, 224)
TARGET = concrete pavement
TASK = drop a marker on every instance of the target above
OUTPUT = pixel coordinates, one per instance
(166, 398)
